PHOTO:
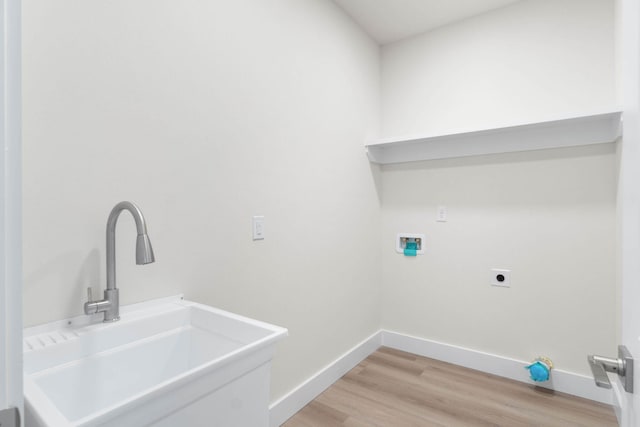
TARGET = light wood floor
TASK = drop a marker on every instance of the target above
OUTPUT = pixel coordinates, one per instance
(394, 389)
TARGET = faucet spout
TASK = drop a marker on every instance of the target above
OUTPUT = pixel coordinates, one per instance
(110, 305)
(144, 251)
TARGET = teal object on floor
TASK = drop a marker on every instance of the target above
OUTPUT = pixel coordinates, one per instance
(539, 371)
(411, 249)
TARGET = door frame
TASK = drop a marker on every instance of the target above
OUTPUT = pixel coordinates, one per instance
(628, 75)
(11, 390)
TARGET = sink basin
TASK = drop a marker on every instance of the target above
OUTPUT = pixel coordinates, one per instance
(166, 362)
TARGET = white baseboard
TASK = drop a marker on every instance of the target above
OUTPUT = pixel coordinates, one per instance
(620, 402)
(283, 409)
(562, 381)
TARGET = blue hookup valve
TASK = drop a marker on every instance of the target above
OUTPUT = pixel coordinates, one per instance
(540, 368)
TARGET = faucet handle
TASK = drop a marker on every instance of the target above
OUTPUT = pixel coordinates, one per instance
(93, 307)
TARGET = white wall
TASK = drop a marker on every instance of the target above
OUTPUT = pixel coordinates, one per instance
(206, 113)
(549, 216)
(534, 60)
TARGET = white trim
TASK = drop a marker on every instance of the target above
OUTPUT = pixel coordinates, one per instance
(619, 401)
(284, 408)
(628, 251)
(11, 394)
(562, 381)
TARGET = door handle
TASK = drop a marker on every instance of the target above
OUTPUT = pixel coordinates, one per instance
(623, 366)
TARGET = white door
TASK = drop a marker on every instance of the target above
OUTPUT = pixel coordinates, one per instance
(629, 204)
(11, 400)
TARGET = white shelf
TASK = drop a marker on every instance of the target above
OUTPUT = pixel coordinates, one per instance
(567, 132)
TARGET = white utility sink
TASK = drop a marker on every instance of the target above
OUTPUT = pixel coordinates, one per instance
(167, 362)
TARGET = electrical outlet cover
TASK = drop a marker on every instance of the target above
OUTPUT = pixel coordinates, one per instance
(500, 277)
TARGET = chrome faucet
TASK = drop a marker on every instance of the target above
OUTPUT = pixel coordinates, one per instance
(110, 305)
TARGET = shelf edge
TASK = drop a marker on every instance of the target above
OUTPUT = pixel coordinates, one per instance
(568, 132)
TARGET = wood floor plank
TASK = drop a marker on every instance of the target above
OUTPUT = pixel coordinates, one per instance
(392, 388)
(318, 410)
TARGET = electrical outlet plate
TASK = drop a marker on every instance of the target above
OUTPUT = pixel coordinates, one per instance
(500, 277)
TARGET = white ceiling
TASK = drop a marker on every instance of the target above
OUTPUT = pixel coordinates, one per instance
(391, 20)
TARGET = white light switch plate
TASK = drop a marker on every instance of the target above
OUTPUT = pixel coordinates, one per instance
(258, 227)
